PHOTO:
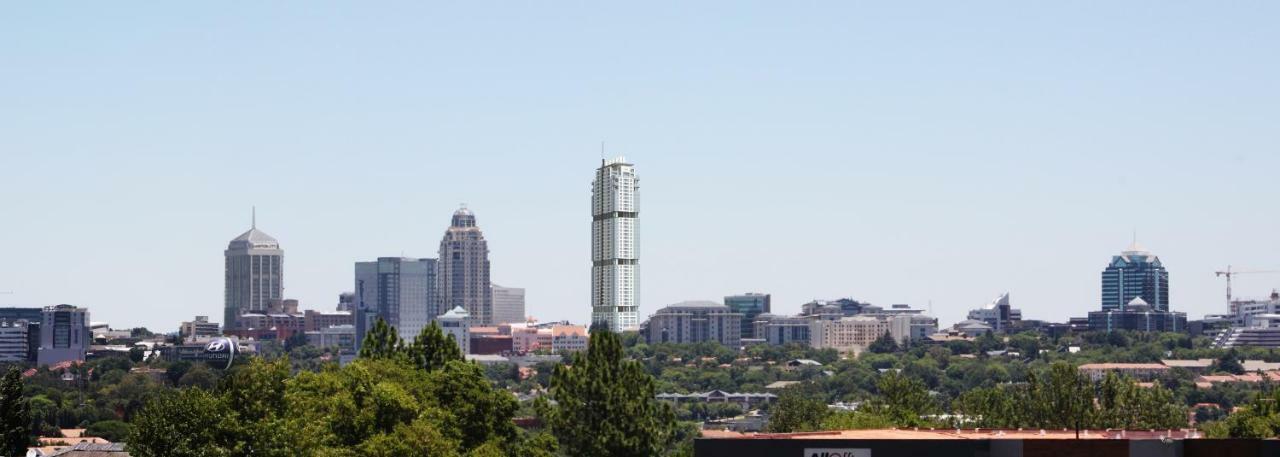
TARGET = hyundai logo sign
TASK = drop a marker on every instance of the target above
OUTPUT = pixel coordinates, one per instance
(220, 352)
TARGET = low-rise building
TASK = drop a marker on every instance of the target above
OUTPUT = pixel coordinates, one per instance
(456, 323)
(199, 327)
(746, 399)
(998, 314)
(525, 339)
(569, 338)
(1242, 311)
(908, 328)
(485, 344)
(1139, 371)
(779, 330)
(1195, 366)
(1263, 337)
(972, 328)
(313, 320)
(848, 334)
(1207, 381)
(1137, 315)
(694, 322)
(342, 337)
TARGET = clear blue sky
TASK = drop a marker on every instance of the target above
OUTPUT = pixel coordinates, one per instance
(943, 152)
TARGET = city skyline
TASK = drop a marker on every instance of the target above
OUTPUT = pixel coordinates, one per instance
(892, 153)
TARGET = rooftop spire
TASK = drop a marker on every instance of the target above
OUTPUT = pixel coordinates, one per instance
(253, 221)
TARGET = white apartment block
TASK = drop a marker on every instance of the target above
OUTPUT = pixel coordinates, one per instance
(847, 334)
(615, 256)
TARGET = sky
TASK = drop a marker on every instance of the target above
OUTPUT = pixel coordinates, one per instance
(930, 153)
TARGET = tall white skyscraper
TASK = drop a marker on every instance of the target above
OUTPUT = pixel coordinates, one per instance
(615, 255)
(254, 274)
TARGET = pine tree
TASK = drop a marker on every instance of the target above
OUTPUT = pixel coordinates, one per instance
(381, 342)
(605, 405)
(432, 348)
(15, 416)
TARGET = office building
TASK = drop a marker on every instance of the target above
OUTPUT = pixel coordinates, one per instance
(316, 320)
(508, 305)
(779, 330)
(64, 334)
(750, 305)
(254, 274)
(464, 269)
(615, 255)
(847, 334)
(694, 322)
(911, 328)
(1137, 315)
(455, 323)
(998, 314)
(9, 314)
(1135, 273)
(31, 316)
(1260, 337)
(398, 290)
(1243, 310)
(342, 337)
(347, 301)
(15, 341)
(200, 327)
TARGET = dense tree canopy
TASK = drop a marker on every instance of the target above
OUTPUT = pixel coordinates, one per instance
(605, 406)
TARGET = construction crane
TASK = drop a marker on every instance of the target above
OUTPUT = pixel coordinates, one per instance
(1229, 273)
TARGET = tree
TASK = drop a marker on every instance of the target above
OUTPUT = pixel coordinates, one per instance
(605, 405)
(1230, 362)
(1063, 398)
(885, 344)
(480, 412)
(136, 354)
(176, 370)
(186, 423)
(298, 339)
(903, 399)
(432, 348)
(110, 430)
(15, 416)
(381, 342)
(797, 410)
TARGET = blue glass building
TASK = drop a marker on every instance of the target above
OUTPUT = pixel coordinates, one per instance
(1132, 274)
(750, 305)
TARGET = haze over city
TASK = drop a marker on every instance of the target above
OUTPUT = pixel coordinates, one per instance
(884, 153)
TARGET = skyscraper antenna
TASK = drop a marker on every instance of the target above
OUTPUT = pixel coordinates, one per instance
(253, 221)
(601, 151)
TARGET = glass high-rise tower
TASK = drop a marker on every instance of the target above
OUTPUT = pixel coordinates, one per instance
(398, 290)
(254, 274)
(1135, 273)
(615, 255)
